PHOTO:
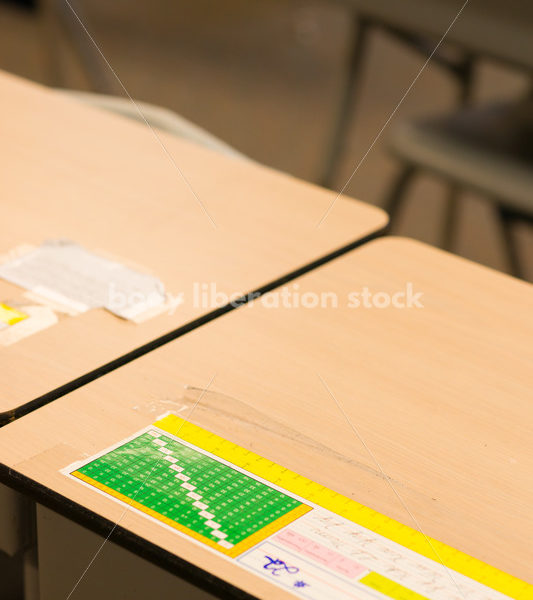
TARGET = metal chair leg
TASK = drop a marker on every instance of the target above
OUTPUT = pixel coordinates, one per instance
(451, 210)
(62, 26)
(465, 72)
(507, 220)
(396, 194)
(344, 115)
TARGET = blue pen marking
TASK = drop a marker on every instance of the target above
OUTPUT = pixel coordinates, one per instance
(275, 566)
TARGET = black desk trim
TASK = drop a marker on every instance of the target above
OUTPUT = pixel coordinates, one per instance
(24, 409)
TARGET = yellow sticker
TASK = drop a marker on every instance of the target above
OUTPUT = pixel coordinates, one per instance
(10, 316)
(389, 588)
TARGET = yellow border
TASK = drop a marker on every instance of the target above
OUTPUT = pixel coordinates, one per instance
(232, 552)
(349, 509)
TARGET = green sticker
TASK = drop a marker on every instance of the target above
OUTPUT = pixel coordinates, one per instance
(189, 488)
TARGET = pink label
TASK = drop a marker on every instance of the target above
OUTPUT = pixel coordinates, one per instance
(329, 558)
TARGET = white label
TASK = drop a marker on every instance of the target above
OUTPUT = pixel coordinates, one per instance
(69, 275)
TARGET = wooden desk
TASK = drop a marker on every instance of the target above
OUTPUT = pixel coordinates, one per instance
(68, 171)
(440, 395)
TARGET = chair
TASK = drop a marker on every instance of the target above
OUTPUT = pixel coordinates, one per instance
(487, 149)
(457, 62)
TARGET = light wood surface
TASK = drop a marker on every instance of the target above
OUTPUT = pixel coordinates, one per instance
(68, 171)
(440, 397)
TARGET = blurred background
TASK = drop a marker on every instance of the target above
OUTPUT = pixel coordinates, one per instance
(306, 86)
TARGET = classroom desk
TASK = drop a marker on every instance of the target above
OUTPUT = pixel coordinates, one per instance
(439, 398)
(68, 171)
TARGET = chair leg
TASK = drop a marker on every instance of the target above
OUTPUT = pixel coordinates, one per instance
(462, 68)
(51, 39)
(507, 220)
(396, 194)
(344, 114)
(63, 24)
(450, 217)
(465, 75)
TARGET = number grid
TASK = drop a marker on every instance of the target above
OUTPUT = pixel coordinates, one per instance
(195, 493)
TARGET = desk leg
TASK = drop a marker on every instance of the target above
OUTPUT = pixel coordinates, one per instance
(65, 551)
(31, 574)
(11, 577)
(15, 521)
(16, 540)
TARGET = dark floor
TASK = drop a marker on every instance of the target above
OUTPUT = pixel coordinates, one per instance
(265, 76)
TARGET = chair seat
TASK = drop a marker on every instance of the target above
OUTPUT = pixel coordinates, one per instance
(489, 149)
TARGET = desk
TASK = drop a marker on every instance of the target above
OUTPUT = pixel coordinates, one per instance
(440, 395)
(68, 171)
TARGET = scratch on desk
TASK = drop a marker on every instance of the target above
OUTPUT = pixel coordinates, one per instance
(240, 412)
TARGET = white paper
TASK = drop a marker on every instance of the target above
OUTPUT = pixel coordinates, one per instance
(69, 275)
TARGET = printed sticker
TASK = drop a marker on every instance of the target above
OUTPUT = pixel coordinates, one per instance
(246, 508)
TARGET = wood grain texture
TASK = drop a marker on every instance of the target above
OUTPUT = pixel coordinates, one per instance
(68, 171)
(439, 397)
